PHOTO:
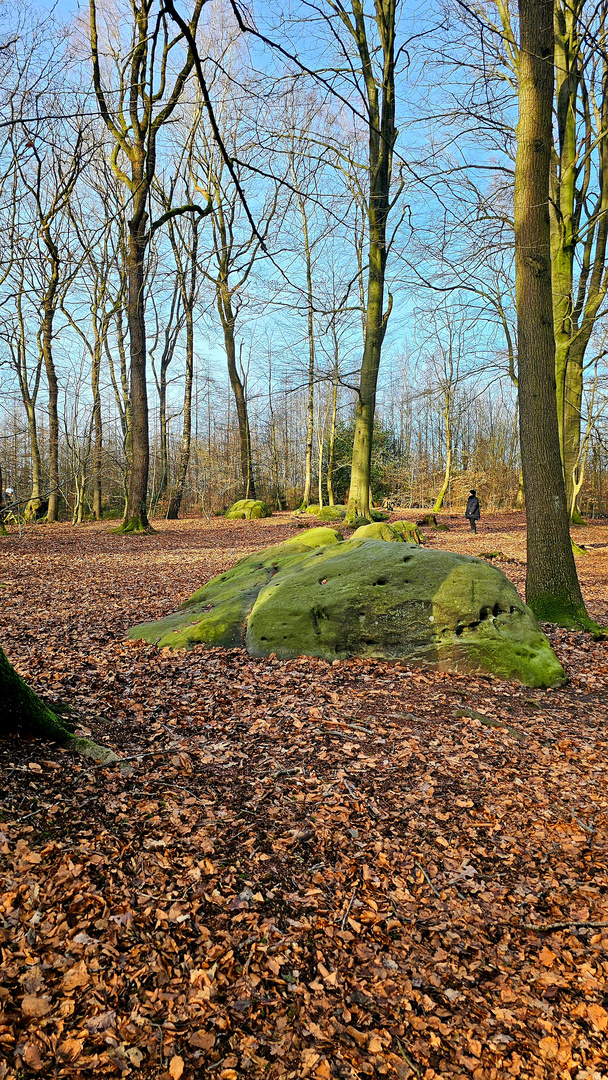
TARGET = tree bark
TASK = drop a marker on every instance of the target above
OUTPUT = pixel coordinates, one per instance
(177, 492)
(46, 337)
(136, 512)
(227, 319)
(382, 136)
(552, 587)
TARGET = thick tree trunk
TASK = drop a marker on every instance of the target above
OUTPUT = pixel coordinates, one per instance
(22, 711)
(136, 513)
(382, 136)
(552, 587)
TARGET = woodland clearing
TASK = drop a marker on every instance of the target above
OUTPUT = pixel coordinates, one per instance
(300, 869)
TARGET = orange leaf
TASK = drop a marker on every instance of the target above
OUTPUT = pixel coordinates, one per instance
(176, 1067)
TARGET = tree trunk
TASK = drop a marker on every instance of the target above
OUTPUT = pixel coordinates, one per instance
(310, 400)
(177, 493)
(227, 318)
(97, 499)
(48, 315)
(22, 711)
(332, 432)
(382, 135)
(552, 587)
(448, 457)
(136, 513)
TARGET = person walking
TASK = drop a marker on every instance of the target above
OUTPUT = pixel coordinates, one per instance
(472, 510)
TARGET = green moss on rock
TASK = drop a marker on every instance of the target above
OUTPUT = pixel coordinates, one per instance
(248, 510)
(409, 531)
(315, 538)
(367, 597)
(217, 613)
(377, 530)
(398, 601)
(331, 513)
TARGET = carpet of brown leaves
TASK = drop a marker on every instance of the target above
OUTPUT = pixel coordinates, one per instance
(303, 869)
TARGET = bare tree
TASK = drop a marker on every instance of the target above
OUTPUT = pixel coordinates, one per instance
(145, 95)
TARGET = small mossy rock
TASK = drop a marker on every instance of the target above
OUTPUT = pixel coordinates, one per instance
(379, 515)
(377, 530)
(312, 509)
(249, 510)
(399, 601)
(409, 531)
(315, 538)
(217, 613)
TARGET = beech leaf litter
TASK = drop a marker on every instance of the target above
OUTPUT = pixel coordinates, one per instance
(297, 869)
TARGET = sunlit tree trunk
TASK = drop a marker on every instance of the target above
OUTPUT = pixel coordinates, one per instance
(552, 587)
(380, 104)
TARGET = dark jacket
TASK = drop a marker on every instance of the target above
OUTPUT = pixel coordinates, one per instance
(472, 510)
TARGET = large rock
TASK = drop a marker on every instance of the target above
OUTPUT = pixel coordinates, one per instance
(248, 510)
(217, 613)
(367, 597)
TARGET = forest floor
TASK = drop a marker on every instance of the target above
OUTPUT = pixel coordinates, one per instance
(301, 869)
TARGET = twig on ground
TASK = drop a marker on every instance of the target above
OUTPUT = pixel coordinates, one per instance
(425, 875)
(350, 904)
(545, 927)
(357, 795)
(407, 1059)
(472, 714)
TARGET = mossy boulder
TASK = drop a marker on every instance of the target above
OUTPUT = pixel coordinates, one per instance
(314, 538)
(331, 513)
(326, 513)
(377, 530)
(366, 597)
(217, 613)
(409, 531)
(248, 510)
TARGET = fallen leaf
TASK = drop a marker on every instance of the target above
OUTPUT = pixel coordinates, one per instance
(35, 1006)
(548, 1048)
(76, 976)
(598, 1017)
(176, 1066)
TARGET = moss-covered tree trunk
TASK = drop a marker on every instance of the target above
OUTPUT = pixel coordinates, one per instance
(23, 712)
(579, 192)
(380, 103)
(136, 511)
(552, 587)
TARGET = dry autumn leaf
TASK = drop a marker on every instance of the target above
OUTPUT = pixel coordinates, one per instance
(34, 1006)
(548, 1048)
(76, 976)
(598, 1017)
(176, 1067)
